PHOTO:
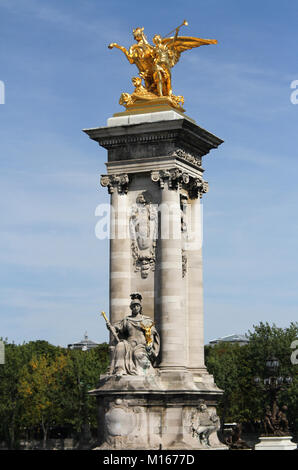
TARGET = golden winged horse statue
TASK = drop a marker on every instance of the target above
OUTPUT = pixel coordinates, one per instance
(155, 62)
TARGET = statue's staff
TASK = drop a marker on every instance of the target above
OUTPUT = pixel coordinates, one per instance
(110, 327)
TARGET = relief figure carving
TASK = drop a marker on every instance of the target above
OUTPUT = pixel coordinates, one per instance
(143, 225)
(204, 424)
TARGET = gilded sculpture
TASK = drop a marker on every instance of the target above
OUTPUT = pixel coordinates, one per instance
(154, 63)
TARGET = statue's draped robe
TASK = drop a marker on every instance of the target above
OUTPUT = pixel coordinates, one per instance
(130, 355)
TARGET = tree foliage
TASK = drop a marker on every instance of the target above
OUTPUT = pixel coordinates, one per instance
(234, 368)
(40, 389)
(43, 386)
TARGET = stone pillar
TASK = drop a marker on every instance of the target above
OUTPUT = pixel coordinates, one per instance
(195, 287)
(119, 246)
(173, 327)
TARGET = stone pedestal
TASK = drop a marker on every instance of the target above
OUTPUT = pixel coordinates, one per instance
(155, 178)
(276, 443)
(157, 412)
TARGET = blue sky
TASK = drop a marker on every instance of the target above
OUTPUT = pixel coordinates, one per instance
(60, 77)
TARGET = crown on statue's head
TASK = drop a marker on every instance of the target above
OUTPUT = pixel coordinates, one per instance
(136, 298)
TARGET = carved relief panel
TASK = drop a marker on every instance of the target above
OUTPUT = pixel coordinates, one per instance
(143, 226)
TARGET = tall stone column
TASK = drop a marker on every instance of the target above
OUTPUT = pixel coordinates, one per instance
(119, 245)
(195, 288)
(172, 309)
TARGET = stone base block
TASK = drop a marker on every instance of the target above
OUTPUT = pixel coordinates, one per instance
(275, 443)
(140, 414)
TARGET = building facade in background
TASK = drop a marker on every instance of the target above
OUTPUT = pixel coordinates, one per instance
(234, 339)
(85, 344)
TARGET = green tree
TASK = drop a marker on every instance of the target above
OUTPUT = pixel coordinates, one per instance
(223, 362)
(235, 367)
(84, 369)
(11, 409)
(266, 341)
(39, 388)
(42, 385)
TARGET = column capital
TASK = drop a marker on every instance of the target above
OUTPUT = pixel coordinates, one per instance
(174, 176)
(177, 179)
(197, 187)
(112, 182)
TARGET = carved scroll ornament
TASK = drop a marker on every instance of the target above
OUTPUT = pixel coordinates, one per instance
(112, 182)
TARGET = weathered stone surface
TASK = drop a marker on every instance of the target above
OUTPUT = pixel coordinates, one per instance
(154, 139)
(155, 178)
(155, 420)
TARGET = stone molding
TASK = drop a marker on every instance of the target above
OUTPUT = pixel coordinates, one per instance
(136, 139)
(151, 164)
(178, 132)
(112, 182)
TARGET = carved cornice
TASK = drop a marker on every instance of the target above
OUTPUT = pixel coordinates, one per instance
(182, 132)
(178, 179)
(116, 141)
(112, 182)
(187, 156)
